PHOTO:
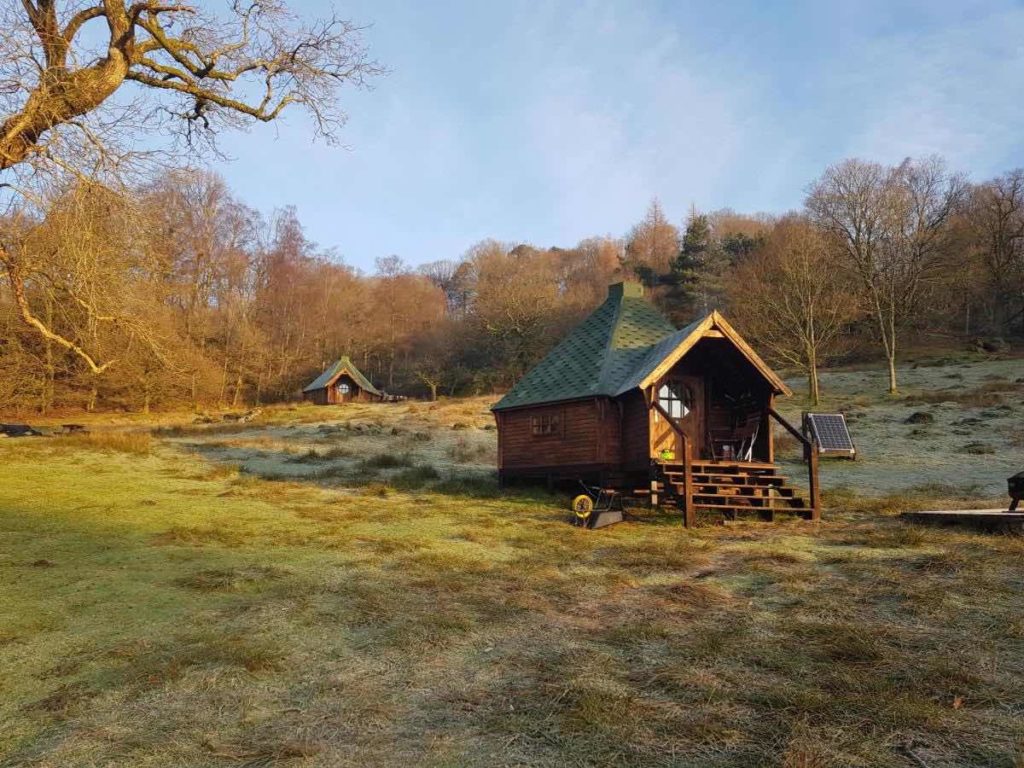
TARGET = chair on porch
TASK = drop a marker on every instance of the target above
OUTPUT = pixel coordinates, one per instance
(736, 443)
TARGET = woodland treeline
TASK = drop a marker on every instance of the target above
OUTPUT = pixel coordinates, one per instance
(177, 294)
(127, 282)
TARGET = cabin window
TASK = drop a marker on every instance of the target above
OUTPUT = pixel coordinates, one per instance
(542, 426)
(344, 388)
(676, 399)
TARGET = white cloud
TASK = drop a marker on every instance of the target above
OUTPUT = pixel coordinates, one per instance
(621, 111)
(953, 90)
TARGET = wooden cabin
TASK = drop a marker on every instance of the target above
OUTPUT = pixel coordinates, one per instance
(628, 401)
(341, 383)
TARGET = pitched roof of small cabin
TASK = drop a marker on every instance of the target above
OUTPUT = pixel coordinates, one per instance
(624, 344)
(343, 365)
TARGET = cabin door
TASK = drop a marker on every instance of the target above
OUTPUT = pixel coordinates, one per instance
(683, 398)
(344, 390)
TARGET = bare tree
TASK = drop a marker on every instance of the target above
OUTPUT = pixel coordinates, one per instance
(65, 101)
(893, 224)
(996, 220)
(788, 296)
(200, 68)
(84, 279)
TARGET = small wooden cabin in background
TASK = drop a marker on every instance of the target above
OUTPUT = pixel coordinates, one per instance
(341, 383)
(627, 401)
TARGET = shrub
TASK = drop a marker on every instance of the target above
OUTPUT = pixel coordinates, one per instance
(387, 461)
(415, 477)
(138, 443)
(481, 486)
(463, 450)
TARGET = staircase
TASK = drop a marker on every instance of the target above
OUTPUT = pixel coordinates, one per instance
(730, 487)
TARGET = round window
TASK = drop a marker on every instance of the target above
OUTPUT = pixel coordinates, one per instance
(676, 399)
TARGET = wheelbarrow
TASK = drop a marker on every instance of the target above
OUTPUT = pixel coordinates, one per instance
(597, 507)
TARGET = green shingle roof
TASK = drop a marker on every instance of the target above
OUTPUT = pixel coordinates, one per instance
(607, 354)
(344, 365)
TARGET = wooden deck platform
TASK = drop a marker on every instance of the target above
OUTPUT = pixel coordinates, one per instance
(983, 519)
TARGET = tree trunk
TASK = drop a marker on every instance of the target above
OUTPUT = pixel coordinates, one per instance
(238, 390)
(46, 402)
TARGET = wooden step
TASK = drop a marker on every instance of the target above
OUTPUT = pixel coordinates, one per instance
(788, 498)
(781, 484)
(742, 491)
(743, 507)
(726, 467)
(799, 512)
(731, 465)
(730, 478)
(679, 486)
(785, 490)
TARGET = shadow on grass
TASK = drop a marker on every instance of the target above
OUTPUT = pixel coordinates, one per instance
(378, 473)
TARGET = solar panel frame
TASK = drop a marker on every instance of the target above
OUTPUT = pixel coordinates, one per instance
(831, 434)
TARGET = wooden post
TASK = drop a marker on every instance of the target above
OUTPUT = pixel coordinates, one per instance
(810, 456)
(689, 513)
(812, 472)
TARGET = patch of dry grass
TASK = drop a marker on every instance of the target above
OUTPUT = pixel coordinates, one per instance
(412, 613)
(134, 442)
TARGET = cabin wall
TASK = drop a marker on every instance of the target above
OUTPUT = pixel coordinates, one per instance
(587, 435)
(331, 396)
(636, 433)
(317, 397)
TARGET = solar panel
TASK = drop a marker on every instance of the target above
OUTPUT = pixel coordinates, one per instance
(830, 434)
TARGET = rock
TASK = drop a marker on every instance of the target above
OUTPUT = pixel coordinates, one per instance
(968, 421)
(248, 416)
(978, 449)
(997, 411)
(991, 345)
(919, 417)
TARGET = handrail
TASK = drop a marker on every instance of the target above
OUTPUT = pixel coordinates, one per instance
(689, 513)
(811, 457)
(790, 428)
(671, 422)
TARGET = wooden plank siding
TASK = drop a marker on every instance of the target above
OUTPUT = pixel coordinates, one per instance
(636, 433)
(588, 434)
(330, 395)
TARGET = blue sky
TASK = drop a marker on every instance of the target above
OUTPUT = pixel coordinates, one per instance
(554, 120)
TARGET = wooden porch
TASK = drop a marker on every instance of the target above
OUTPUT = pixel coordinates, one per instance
(733, 487)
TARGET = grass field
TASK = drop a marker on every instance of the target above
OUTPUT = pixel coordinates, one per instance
(331, 587)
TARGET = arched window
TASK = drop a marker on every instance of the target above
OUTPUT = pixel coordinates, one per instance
(676, 399)
(344, 388)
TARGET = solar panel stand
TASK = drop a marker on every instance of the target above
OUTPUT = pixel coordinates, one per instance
(830, 434)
